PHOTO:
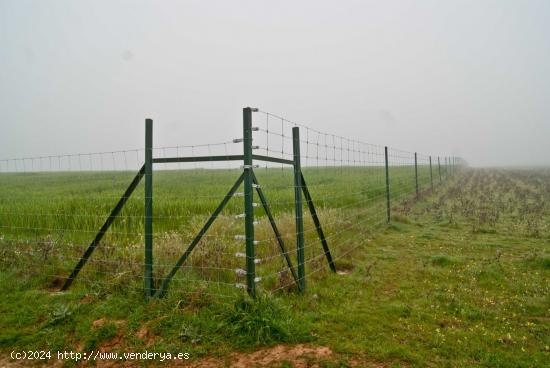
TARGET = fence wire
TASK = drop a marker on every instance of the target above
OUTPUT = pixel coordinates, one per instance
(51, 207)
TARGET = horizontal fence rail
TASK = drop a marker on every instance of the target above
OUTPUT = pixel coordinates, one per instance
(274, 209)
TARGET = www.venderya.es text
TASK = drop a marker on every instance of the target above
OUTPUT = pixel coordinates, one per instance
(96, 355)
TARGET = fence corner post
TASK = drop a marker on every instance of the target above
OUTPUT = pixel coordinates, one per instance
(148, 275)
(298, 208)
(388, 211)
(248, 202)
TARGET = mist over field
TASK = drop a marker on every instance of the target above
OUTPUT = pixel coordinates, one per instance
(463, 78)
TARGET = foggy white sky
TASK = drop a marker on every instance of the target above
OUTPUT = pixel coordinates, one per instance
(464, 77)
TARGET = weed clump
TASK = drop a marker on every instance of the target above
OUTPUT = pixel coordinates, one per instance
(262, 321)
(441, 261)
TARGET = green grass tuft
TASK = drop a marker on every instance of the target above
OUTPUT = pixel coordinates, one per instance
(262, 321)
(442, 261)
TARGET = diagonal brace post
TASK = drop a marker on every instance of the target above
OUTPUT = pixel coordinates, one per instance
(275, 230)
(164, 286)
(317, 223)
(104, 228)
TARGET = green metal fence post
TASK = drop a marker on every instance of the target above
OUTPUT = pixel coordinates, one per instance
(455, 164)
(454, 167)
(148, 276)
(431, 175)
(388, 213)
(416, 172)
(248, 202)
(439, 168)
(298, 208)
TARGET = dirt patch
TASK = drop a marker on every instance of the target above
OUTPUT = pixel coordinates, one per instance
(344, 269)
(102, 321)
(297, 356)
(145, 335)
(114, 343)
(86, 299)
(98, 322)
(117, 341)
(142, 333)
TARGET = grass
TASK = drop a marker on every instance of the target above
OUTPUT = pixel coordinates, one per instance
(460, 278)
(53, 216)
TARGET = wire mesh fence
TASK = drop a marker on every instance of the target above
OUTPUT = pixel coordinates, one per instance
(52, 207)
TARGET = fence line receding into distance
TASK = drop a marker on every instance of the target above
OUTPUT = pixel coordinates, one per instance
(281, 205)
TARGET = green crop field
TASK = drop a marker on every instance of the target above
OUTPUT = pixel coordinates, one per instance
(77, 201)
(461, 276)
(58, 214)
